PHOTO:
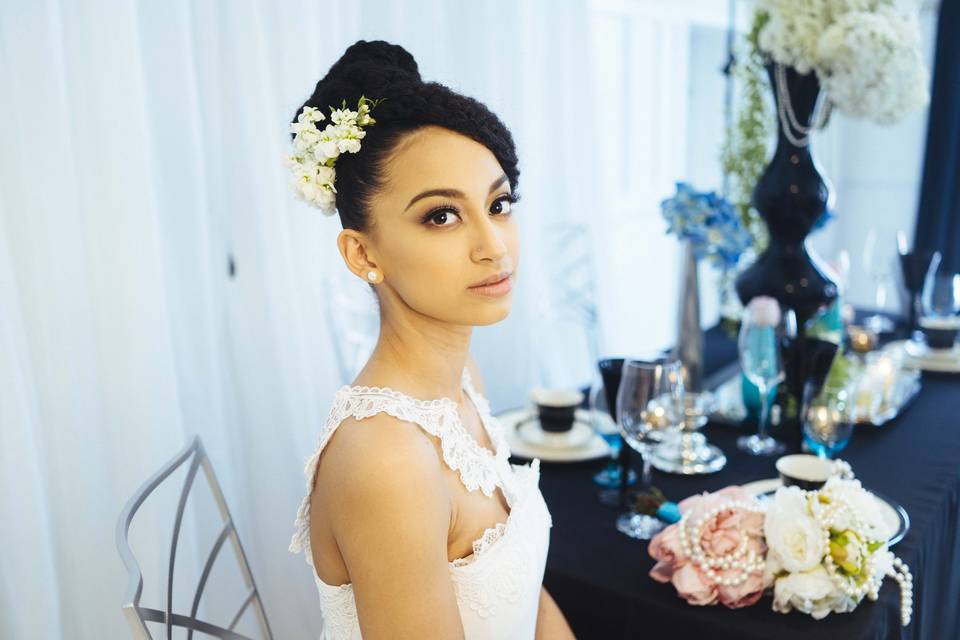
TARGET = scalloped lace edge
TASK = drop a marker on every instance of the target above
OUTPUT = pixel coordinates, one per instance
(345, 404)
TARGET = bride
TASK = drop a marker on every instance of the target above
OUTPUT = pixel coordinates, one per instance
(415, 523)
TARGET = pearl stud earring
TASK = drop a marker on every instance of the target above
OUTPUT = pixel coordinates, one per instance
(372, 276)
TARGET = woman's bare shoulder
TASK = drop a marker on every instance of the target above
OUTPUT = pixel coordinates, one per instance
(390, 514)
(378, 456)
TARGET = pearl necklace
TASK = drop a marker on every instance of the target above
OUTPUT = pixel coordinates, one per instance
(743, 560)
(788, 117)
(870, 587)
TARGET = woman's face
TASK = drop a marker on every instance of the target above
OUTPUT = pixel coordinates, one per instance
(441, 223)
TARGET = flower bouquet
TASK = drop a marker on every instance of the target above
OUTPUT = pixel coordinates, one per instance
(818, 551)
(709, 223)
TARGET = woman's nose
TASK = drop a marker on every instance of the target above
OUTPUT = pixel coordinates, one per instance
(490, 240)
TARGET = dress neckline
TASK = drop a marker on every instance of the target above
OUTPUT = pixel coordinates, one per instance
(466, 383)
(441, 400)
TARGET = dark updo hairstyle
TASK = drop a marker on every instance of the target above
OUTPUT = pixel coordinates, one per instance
(378, 69)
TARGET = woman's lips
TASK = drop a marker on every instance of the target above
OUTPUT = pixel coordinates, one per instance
(495, 290)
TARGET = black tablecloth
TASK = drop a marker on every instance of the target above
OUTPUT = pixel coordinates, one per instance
(599, 577)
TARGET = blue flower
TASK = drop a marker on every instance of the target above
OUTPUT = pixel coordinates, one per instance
(709, 222)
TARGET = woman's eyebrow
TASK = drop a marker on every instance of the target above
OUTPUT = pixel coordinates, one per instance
(452, 193)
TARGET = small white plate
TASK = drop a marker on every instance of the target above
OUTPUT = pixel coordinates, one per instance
(532, 432)
(592, 448)
(894, 515)
(920, 356)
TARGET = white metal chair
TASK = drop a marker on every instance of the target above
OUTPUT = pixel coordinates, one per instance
(138, 615)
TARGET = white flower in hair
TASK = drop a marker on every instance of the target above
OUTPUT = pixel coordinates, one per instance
(315, 152)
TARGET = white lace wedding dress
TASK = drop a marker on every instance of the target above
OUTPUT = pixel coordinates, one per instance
(498, 585)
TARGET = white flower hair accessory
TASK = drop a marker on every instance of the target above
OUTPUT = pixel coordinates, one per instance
(315, 152)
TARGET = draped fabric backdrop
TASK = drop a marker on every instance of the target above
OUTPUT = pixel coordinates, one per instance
(158, 279)
(938, 221)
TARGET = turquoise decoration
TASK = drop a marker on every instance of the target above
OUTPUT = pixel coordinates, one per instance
(827, 323)
(751, 397)
(669, 512)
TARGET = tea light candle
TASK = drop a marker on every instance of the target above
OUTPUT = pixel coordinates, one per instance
(862, 340)
(822, 421)
(657, 417)
(887, 374)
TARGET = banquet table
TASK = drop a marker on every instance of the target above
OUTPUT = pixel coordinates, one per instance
(599, 576)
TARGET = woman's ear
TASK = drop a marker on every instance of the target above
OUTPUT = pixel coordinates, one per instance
(356, 252)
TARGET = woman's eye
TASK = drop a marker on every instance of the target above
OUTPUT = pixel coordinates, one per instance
(502, 205)
(440, 218)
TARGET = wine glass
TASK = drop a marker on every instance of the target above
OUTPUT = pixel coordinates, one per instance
(600, 408)
(879, 266)
(828, 418)
(940, 307)
(649, 400)
(758, 344)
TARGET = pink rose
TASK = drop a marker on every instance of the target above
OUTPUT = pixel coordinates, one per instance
(665, 549)
(720, 535)
(744, 594)
(693, 586)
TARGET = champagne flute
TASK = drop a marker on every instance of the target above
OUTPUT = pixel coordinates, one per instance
(758, 345)
(649, 399)
(878, 265)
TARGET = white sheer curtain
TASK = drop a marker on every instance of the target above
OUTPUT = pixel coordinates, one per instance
(158, 280)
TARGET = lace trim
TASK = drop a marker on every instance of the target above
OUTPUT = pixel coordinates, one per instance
(482, 544)
(476, 465)
(482, 587)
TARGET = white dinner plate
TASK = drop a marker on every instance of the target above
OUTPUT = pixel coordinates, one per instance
(592, 447)
(922, 357)
(894, 516)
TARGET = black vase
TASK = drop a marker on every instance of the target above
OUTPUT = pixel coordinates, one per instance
(790, 196)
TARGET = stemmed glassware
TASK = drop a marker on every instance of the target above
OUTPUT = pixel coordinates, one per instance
(761, 334)
(650, 403)
(940, 307)
(601, 403)
(829, 416)
(879, 266)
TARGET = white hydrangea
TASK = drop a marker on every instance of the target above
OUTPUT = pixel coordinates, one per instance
(866, 53)
(315, 152)
(871, 66)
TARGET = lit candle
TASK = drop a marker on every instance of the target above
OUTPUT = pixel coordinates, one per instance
(861, 339)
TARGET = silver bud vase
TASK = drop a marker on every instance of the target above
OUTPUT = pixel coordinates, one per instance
(690, 334)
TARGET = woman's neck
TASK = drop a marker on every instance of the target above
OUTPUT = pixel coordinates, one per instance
(424, 359)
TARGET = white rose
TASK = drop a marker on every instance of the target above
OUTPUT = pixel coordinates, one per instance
(791, 532)
(863, 503)
(811, 592)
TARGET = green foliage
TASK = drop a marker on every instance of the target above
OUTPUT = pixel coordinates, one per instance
(744, 155)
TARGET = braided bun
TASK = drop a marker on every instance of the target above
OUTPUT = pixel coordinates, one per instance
(378, 69)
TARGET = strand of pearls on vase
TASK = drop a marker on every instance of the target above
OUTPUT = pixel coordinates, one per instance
(788, 117)
(742, 559)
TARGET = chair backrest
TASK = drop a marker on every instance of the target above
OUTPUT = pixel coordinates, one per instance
(137, 615)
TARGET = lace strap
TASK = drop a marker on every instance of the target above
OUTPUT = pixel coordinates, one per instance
(439, 417)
